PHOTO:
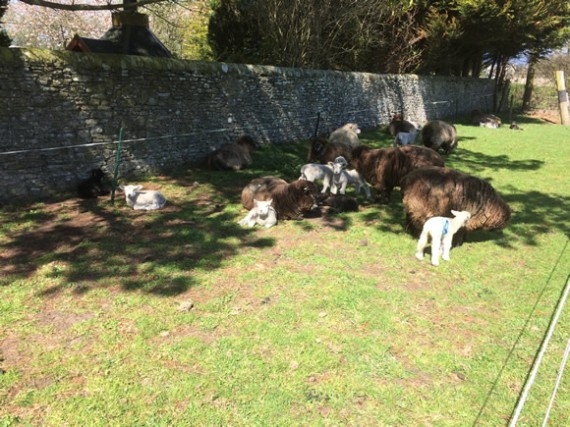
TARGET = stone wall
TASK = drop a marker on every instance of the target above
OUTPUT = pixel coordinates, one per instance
(60, 112)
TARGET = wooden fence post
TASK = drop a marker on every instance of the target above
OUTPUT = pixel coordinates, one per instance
(562, 98)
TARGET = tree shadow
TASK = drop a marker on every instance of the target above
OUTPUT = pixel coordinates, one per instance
(476, 162)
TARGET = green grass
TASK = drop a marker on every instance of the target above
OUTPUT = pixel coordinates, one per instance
(328, 321)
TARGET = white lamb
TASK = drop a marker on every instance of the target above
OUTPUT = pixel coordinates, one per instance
(441, 230)
(342, 177)
(262, 213)
(405, 138)
(317, 172)
(143, 200)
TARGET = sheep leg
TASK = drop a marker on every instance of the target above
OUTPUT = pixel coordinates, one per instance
(435, 250)
(447, 246)
(422, 242)
(343, 187)
(326, 184)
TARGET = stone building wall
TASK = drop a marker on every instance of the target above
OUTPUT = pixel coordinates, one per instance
(60, 112)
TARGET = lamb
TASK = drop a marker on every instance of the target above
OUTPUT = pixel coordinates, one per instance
(435, 191)
(324, 151)
(347, 134)
(398, 124)
(262, 214)
(441, 231)
(405, 138)
(314, 171)
(342, 177)
(384, 168)
(485, 120)
(440, 135)
(290, 200)
(92, 187)
(233, 156)
(143, 200)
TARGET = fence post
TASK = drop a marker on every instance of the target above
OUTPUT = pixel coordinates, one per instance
(562, 98)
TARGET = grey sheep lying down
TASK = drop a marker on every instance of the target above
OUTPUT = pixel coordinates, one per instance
(290, 200)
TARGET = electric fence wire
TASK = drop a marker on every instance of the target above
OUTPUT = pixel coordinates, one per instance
(538, 360)
(522, 331)
(558, 378)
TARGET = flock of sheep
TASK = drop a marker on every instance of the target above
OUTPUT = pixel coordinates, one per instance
(439, 202)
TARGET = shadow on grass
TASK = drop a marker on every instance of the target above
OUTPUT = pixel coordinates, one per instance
(476, 162)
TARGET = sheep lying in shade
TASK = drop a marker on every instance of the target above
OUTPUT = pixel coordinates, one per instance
(316, 172)
(290, 201)
(441, 231)
(320, 150)
(233, 156)
(384, 168)
(435, 191)
(92, 187)
(143, 200)
(485, 120)
(347, 134)
(262, 213)
(440, 135)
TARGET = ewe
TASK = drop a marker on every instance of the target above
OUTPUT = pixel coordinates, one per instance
(143, 200)
(441, 230)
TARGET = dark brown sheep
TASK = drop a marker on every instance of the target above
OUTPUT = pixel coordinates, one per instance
(440, 135)
(233, 156)
(323, 151)
(93, 186)
(383, 168)
(434, 191)
(398, 124)
(290, 201)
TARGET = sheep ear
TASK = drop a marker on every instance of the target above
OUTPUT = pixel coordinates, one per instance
(454, 213)
(330, 163)
(270, 201)
(122, 187)
(138, 187)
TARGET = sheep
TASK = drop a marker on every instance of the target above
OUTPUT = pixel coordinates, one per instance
(515, 126)
(314, 171)
(92, 187)
(441, 231)
(324, 151)
(405, 138)
(262, 214)
(435, 191)
(398, 124)
(485, 120)
(340, 203)
(440, 135)
(347, 134)
(342, 177)
(233, 156)
(383, 168)
(290, 200)
(143, 200)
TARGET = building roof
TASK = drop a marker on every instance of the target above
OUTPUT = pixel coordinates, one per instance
(129, 35)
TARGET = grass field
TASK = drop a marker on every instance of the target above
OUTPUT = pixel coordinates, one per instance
(110, 316)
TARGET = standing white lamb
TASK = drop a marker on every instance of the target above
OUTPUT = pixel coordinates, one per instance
(441, 230)
(342, 177)
(317, 172)
(262, 213)
(143, 200)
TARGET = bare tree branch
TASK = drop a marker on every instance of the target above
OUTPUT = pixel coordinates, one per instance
(81, 7)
